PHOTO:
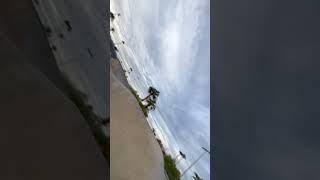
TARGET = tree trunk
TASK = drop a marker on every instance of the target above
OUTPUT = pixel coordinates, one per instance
(146, 97)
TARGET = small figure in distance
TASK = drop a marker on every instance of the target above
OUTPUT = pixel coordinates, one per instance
(54, 48)
(112, 16)
(122, 42)
(69, 27)
(61, 36)
(105, 121)
(90, 53)
(48, 31)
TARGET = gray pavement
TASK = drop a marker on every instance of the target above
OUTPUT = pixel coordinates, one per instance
(81, 53)
(20, 23)
(42, 133)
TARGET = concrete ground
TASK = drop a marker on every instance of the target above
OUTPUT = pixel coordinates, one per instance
(134, 151)
(42, 133)
(20, 23)
(118, 72)
(81, 52)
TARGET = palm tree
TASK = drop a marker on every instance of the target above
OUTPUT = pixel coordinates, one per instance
(153, 92)
(153, 107)
(196, 176)
(151, 104)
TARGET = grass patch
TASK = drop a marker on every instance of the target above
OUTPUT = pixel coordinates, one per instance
(170, 167)
(143, 108)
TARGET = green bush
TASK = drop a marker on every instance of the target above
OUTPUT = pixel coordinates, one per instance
(171, 169)
(143, 108)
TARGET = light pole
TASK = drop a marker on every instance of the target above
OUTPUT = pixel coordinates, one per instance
(202, 154)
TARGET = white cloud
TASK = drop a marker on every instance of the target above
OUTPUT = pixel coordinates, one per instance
(168, 42)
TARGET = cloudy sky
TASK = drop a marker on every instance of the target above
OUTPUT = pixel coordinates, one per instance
(168, 47)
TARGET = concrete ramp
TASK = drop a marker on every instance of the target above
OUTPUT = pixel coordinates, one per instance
(134, 151)
(42, 134)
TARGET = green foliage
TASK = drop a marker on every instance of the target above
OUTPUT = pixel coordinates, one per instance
(151, 104)
(153, 94)
(143, 108)
(153, 91)
(170, 167)
(151, 99)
